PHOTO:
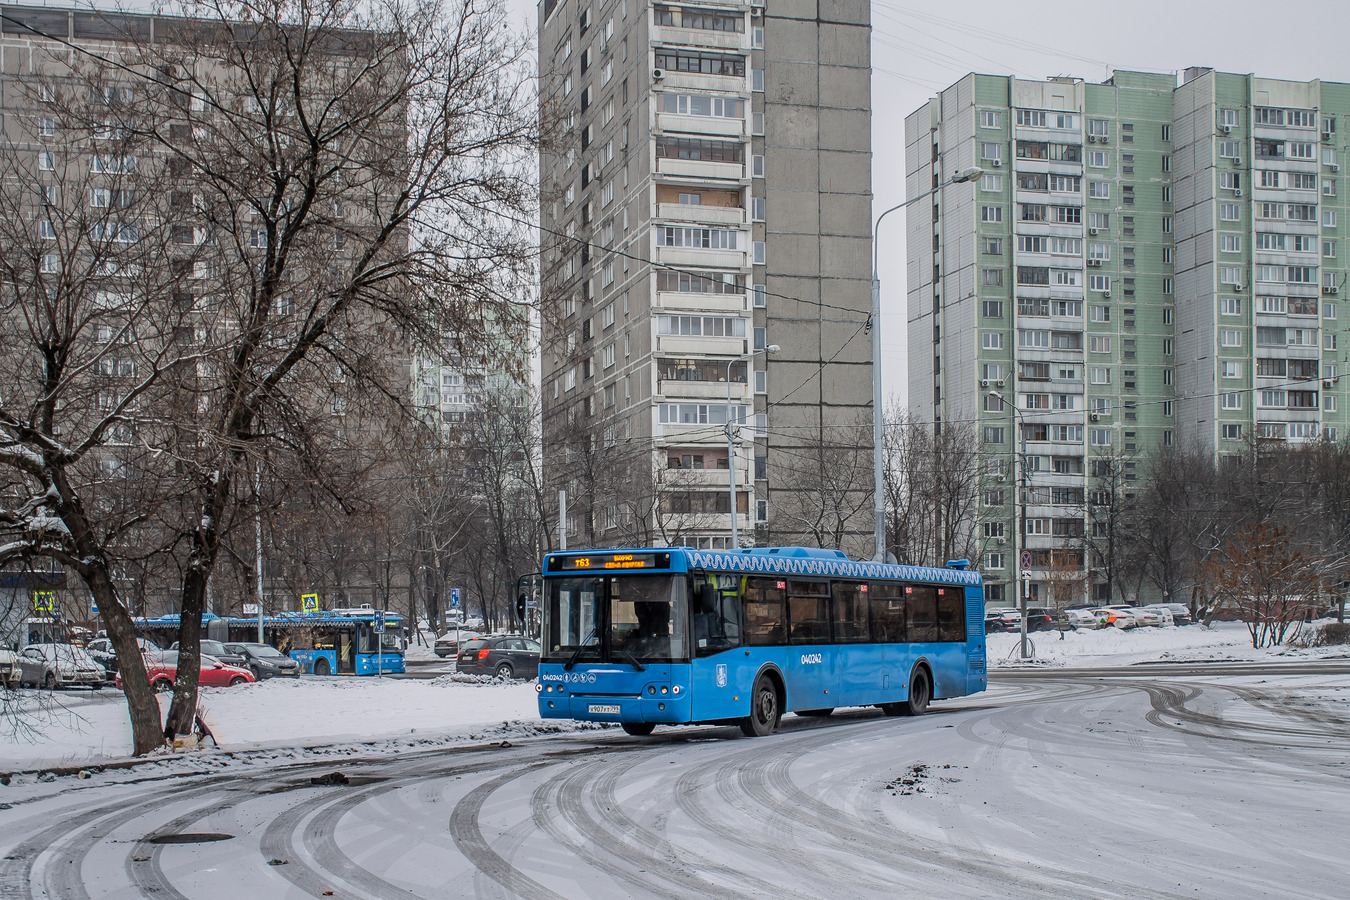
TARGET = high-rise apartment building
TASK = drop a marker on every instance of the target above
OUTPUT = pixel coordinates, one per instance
(1141, 264)
(708, 200)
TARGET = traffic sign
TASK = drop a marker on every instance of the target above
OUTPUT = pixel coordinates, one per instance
(1026, 559)
(44, 601)
(454, 598)
(251, 609)
(379, 621)
(309, 602)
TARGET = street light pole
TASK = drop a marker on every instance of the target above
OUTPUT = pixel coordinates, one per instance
(1022, 577)
(731, 441)
(878, 455)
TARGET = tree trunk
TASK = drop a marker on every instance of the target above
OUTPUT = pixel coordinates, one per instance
(142, 706)
(183, 711)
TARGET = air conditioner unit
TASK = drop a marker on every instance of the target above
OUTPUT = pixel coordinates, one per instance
(657, 74)
(1001, 381)
(995, 163)
(1237, 286)
(1092, 231)
(1335, 167)
(984, 382)
(756, 12)
(1237, 192)
(1328, 383)
(1003, 540)
(1092, 417)
(1104, 139)
(1094, 262)
(1237, 161)
(1001, 476)
(1226, 129)
(1329, 289)
(1092, 139)
(1106, 293)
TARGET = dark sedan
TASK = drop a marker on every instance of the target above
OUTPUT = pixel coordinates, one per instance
(506, 656)
(265, 661)
(1039, 619)
(220, 652)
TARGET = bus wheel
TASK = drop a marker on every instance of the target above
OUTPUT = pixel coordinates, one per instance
(321, 666)
(639, 729)
(764, 711)
(920, 692)
(818, 713)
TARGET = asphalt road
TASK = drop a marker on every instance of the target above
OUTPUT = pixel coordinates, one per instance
(1223, 781)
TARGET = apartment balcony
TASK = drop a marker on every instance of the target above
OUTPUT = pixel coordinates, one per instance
(696, 345)
(705, 215)
(695, 258)
(696, 168)
(677, 301)
(675, 389)
(719, 126)
(701, 37)
(694, 81)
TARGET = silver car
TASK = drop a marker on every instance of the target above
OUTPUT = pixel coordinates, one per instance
(60, 665)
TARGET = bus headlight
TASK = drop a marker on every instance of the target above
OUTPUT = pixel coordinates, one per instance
(540, 687)
(675, 689)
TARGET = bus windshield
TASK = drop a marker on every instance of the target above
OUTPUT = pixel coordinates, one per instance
(621, 618)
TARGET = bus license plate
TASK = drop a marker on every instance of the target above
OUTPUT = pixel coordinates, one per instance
(603, 709)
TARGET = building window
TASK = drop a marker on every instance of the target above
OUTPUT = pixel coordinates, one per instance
(991, 118)
(1232, 432)
(1230, 337)
(991, 151)
(992, 340)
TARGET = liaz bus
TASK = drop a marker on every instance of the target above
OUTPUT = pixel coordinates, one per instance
(331, 642)
(674, 635)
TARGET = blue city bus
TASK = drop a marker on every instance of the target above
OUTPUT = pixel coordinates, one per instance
(331, 642)
(673, 635)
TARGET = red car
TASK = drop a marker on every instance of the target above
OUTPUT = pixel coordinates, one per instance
(163, 669)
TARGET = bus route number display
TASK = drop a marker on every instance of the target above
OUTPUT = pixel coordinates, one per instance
(616, 561)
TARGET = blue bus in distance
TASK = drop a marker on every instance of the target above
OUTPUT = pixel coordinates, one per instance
(648, 637)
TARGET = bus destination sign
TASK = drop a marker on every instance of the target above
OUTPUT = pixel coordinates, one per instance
(612, 561)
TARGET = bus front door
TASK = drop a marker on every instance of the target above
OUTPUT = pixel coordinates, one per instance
(346, 652)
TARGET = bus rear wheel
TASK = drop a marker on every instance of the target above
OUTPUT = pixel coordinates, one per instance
(920, 692)
(764, 709)
(321, 666)
(639, 729)
(818, 713)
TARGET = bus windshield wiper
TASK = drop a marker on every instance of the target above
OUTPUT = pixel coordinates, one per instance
(567, 666)
(631, 658)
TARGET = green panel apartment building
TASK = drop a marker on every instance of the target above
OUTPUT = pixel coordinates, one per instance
(1142, 264)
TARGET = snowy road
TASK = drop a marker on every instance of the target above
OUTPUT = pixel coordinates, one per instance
(1054, 784)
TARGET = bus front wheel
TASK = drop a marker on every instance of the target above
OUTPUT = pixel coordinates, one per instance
(639, 729)
(764, 709)
(321, 666)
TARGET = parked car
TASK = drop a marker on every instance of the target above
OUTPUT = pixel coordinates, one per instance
(163, 670)
(101, 649)
(1121, 617)
(1162, 614)
(1082, 617)
(1011, 617)
(60, 665)
(448, 643)
(220, 652)
(1181, 613)
(265, 661)
(993, 622)
(11, 673)
(506, 656)
(1039, 619)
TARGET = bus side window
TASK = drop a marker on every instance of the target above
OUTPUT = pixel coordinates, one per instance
(849, 612)
(888, 612)
(951, 614)
(809, 612)
(921, 606)
(763, 608)
(716, 615)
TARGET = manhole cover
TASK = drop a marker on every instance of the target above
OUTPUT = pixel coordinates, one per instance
(188, 837)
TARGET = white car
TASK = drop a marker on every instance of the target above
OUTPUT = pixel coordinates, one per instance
(1082, 618)
(1121, 617)
(10, 671)
(1157, 616)
(60, 665)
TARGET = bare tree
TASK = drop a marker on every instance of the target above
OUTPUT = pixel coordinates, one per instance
(309, 192)
(932, 486)
(1268, 577)
(829, 485)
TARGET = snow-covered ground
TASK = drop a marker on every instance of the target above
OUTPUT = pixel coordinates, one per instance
(89, 728)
